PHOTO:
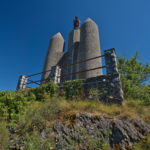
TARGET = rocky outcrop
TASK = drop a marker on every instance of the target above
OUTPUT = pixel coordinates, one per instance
(84, 131)
(90, 132)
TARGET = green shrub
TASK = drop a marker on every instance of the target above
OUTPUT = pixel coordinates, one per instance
(140, 93)
(51, 88)
(12, 105)
(134, 75)
(73, 89)
(45, 91)
(40, 93)
(3, 111)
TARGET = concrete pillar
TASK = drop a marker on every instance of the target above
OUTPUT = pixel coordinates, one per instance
(54, 54)
(22, 82)
(89, 47)
(111, 61)
(73, 48)
(55, 74)
(115, 87)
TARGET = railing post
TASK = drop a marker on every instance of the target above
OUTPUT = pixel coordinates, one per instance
(55, 74)
(22, 82)
(115, 89)
(111, 61)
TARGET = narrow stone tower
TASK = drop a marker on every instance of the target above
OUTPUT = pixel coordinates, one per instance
(73, 48)
(54, 54)
(89, 47)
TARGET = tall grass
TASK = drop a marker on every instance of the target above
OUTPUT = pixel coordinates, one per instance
(59, 108)
(4, 136)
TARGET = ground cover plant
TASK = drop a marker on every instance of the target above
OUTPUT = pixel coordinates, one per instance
(29, 111)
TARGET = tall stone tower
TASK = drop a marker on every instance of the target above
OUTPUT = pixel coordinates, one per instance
(89, 47)
(83, 43)
(54, 53)
(73, 48)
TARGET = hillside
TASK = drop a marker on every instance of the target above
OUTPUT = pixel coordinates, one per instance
(43, 121)
(53, 118)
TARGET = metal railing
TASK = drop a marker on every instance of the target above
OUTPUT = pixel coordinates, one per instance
(110, 82)
(26, 78)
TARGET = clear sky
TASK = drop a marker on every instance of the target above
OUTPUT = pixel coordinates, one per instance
(27, 25)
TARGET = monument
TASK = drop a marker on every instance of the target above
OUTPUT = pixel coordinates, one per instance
(83, 43)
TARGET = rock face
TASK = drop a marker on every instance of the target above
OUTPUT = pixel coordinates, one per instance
(87, 132)
(94, 132)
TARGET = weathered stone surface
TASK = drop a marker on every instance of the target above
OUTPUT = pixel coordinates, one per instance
(22, 82)
(88, 132)
(73, 48)
(106, 88)
(54, 53)
(101, 130)
(89, 47)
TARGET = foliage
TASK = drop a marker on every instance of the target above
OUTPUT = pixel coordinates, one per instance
(73, 89)
(143, 145)
(94, 93)
(36, 142)
(140, 93)
(42, 115)
(134, 74)
(92, 140)
(133, 71)
(45, 91)
(12, 105)
(4, 136)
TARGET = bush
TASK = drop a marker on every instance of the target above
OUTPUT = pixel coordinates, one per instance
(12, 105)
(140, 93)
(45, 91)
(73, 89)
(134, 75)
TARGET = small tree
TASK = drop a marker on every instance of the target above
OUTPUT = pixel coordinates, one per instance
(133, 73)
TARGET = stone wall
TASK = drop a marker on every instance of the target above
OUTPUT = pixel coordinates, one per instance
(106, 88)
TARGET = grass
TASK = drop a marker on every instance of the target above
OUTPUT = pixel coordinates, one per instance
(129, 109)
(59, 108)
(4, 136)
(41, 116)
(143, 145)
(35, 111)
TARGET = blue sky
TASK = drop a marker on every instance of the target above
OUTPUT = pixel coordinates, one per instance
(27, 25)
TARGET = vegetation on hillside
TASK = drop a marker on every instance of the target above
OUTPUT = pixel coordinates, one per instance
(135, 78)
(32, 110)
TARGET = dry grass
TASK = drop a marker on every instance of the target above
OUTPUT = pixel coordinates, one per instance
(130, 109)
(4, 136)
(59, 108)
(42, 115)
